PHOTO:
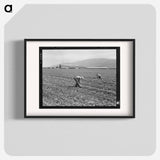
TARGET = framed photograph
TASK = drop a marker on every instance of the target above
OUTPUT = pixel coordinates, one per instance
(79, 78)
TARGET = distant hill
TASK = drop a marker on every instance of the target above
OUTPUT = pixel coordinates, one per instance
(96, 62)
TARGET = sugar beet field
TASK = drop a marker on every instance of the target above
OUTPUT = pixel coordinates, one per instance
(58, 87)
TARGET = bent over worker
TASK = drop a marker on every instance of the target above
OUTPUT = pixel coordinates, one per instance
(77, 80)
(99, 76)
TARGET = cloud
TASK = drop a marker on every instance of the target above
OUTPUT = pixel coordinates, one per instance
(54, 57)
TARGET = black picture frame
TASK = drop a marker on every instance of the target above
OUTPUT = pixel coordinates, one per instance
(25, 76)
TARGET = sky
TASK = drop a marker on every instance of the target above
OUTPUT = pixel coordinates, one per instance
(54, 57)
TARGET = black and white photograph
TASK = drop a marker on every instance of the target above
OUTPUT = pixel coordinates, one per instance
(79, 77)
